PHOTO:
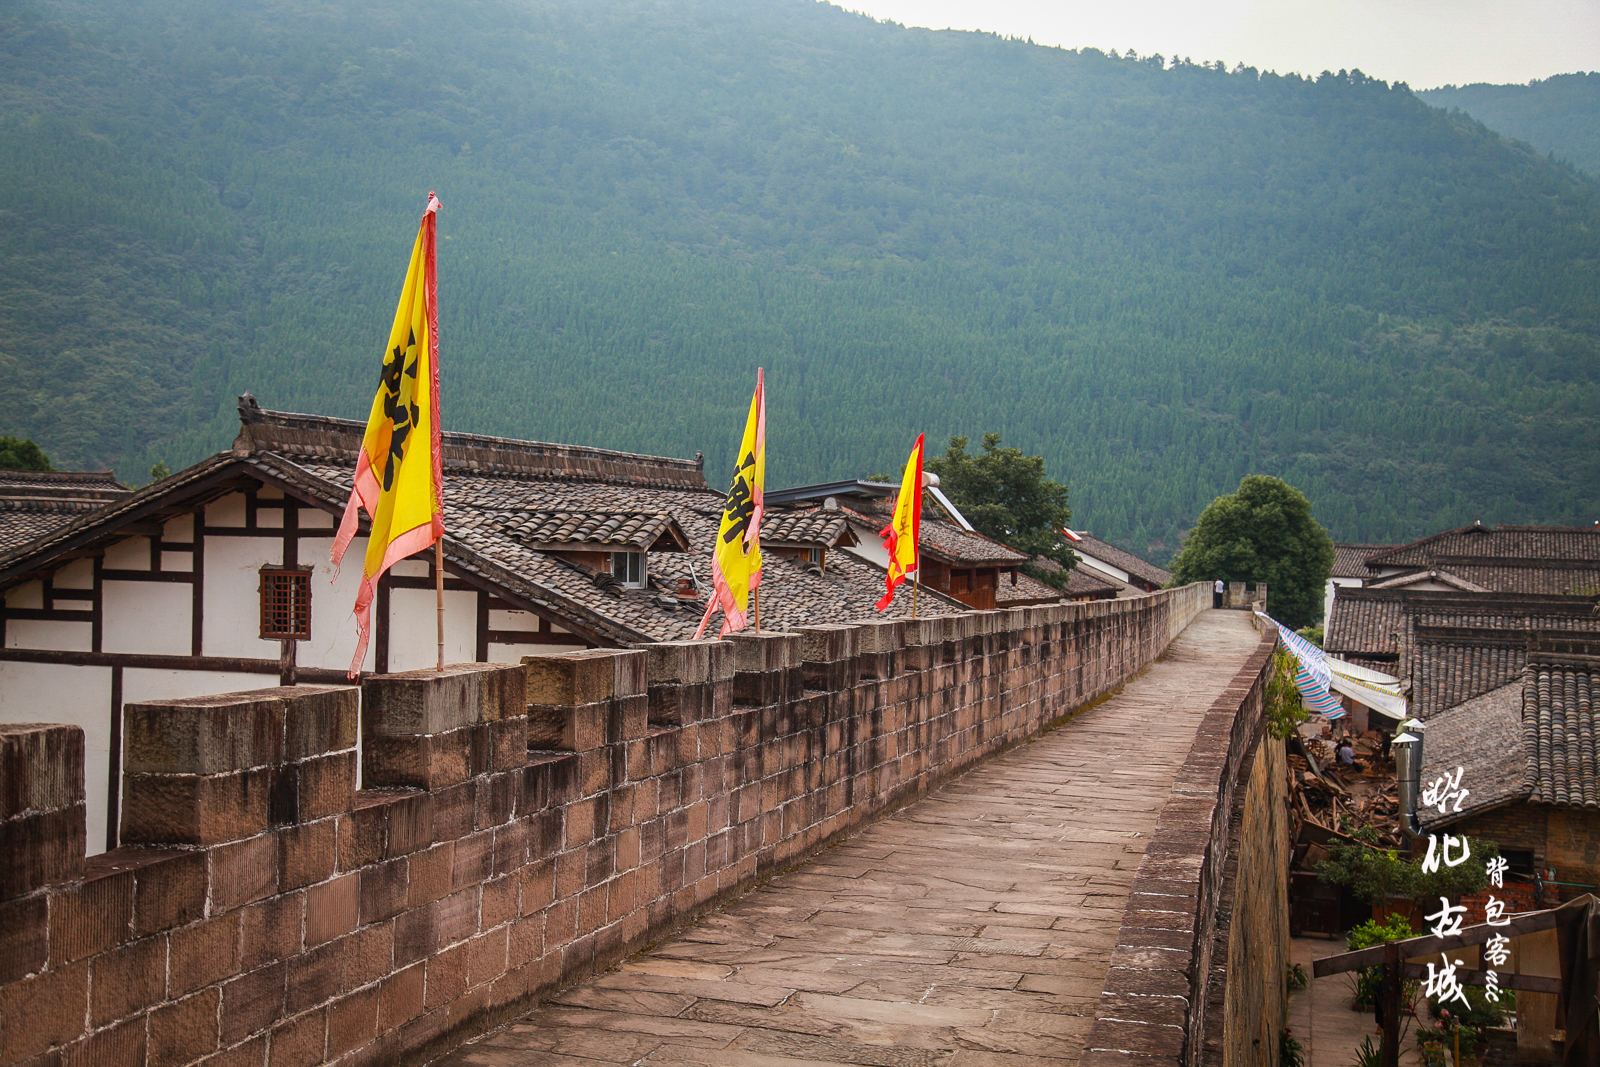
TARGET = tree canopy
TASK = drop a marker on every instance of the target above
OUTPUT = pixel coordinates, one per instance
(20, 454)
(1262, 533)
(1005, 495)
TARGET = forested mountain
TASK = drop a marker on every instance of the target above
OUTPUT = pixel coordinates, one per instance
(1160, 277)
(1559, 114)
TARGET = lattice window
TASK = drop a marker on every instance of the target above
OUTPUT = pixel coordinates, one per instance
(285, 604)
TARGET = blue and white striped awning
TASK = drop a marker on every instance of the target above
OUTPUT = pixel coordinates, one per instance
(1311, 674)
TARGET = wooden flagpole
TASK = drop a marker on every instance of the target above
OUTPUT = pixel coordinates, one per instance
(438, 570)
(756, 593)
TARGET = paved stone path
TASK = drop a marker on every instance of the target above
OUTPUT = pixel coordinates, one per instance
(970, 929)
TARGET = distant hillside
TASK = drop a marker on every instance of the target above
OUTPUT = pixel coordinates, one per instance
(1159, 278)
(1559, 114)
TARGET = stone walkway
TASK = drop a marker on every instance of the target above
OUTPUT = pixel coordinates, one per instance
(970, 929)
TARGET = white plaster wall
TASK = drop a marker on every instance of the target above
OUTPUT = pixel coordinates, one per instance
(232, 625)
(1103, 567)
(129, 554)
(228, 511)
(413, 628)
(26, 595)
(156, 618)
(78, 696)
(871, 548)
(48, 633)
(179, 529)
(516, 620)
(79, 574)
(315, 519)
(333, 620)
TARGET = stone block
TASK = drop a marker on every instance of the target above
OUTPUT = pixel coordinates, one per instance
(680, 662)
(417, 703)
(764, 652)
(204, 735)
(25, 932)
(41, 849)
(576, 677)
(880, 635)
(569, 727)
(86, 918)
(186, 809)
(829, 642)
(41, 767)
(319, 719)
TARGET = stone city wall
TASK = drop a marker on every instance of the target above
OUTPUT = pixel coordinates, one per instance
(518, 827)
(1160, 1006)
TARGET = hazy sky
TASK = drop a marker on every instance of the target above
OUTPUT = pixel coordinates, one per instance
(1426, 43)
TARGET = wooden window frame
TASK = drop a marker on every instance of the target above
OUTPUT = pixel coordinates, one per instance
(300, 582)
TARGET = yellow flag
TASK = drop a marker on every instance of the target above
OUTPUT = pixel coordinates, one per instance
(900, 536)
(399, 472)
(736, 557)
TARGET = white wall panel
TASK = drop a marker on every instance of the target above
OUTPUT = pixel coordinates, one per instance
(79, 574)
(26, 595)
(413, 629)
(48, 633)
(333, 621)
(229, 511)
(78, 696)
(129, 554)
(155, 618)
(232, 625)
(513, 620)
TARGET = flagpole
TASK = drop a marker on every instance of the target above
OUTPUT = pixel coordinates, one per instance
(916, 583)
(756, 593)
(438, 570)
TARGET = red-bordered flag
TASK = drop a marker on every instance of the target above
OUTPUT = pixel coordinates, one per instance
(736, 557)
(900, 536)
(400, 470)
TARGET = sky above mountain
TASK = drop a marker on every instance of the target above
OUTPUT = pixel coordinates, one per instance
(1425, 43)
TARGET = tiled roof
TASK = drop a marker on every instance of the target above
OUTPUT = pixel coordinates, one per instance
(814, 526)
(949, 542)
(1503, 542)
(480, 505)
(318, 438)
(639, 530)
(1558, 730)
(1025, 590)
(1427, 574)
(1453, 664)
(1119, 558)
(1549, 577)
(1350, 561)
(1366, 622)
(943, 541)
(1082, 581)
(33, 503)
(1483, 736)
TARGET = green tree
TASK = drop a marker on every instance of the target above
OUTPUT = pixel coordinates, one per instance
(1006, 496)
(21, 454)
(1262, 533)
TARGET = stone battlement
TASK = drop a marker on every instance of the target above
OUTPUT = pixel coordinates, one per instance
(517, 827)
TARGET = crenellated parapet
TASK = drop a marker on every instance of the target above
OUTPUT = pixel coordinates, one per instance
(369, 875)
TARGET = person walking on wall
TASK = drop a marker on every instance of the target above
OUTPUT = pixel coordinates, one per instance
(1217, 591)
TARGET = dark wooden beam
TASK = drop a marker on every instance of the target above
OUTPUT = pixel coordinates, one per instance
(1532, 983)
(1427, 945)
(234, 664)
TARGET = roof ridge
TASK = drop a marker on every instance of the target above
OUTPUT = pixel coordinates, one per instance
(339, 440)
